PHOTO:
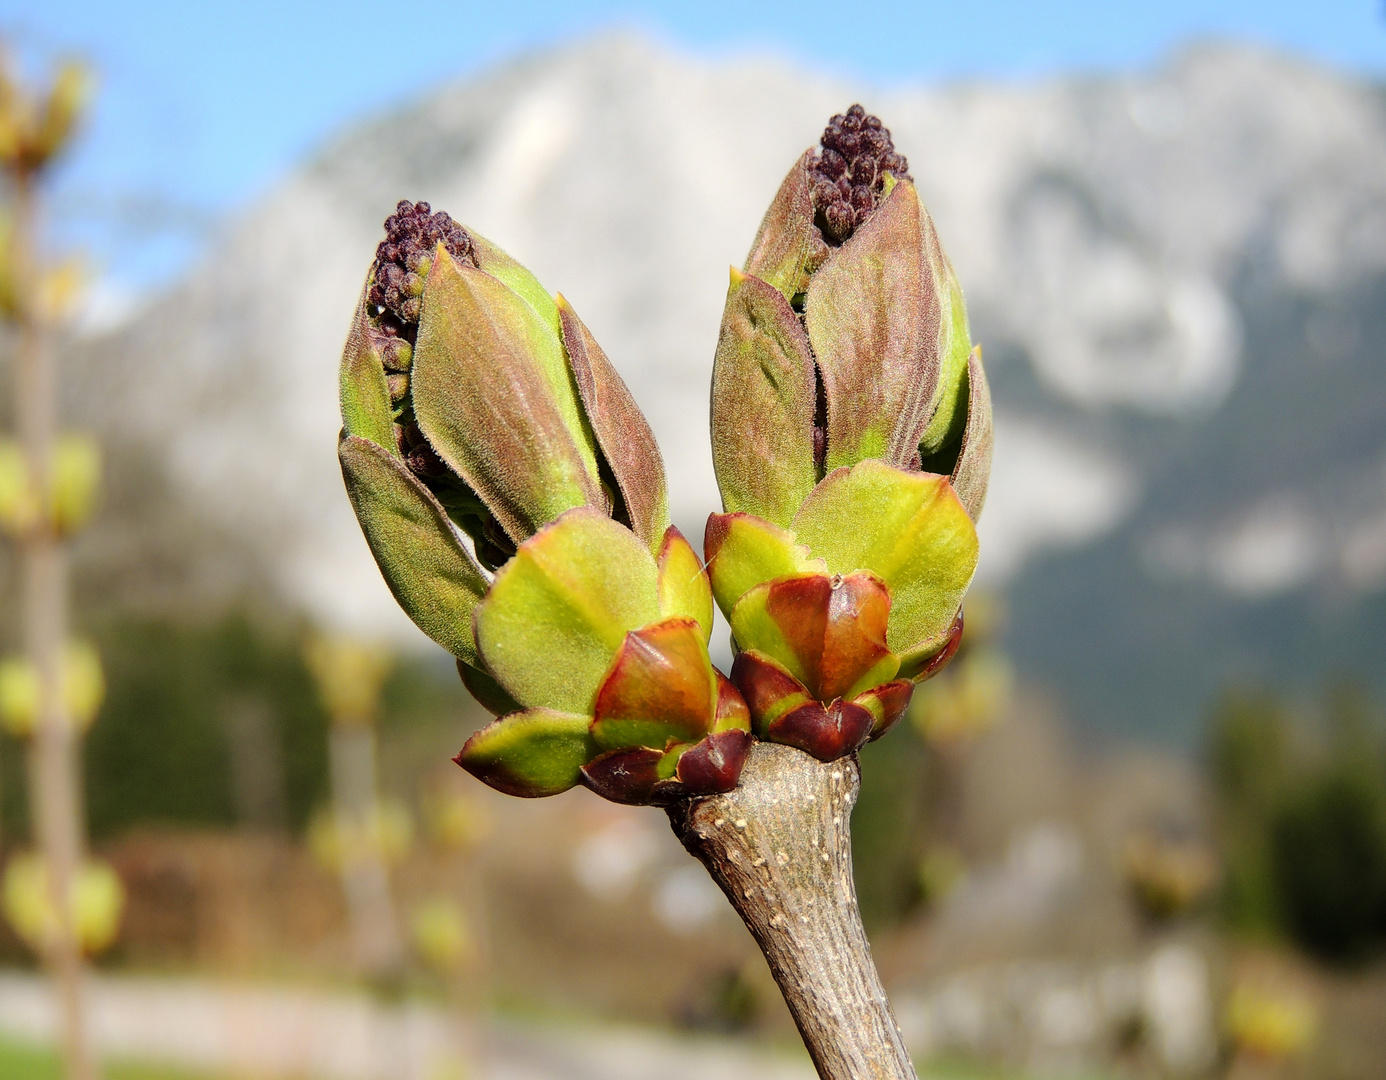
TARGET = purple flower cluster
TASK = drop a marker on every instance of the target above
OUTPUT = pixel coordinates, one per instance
(412, 234)
(854, 156)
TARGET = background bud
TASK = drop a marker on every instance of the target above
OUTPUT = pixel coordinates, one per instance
(75, 484)
(84, 683)
(97, 902)
(19, 505)
(21, 696)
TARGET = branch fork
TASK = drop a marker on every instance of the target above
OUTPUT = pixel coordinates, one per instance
(779, 846)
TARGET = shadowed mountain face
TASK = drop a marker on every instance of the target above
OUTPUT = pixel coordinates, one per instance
(1179, 278)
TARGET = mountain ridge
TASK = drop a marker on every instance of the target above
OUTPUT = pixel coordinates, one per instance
(1132, 246)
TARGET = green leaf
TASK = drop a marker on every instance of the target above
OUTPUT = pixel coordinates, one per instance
(559, 611)
(493, 394)
(683, 585)
(946, 425)
(873, 314)
(785, 245)
(910, 530)
(743, 550)
(434, 578)
(532, 753)
(489, 694)
(763, 397)
(502, 266)
(366, 407)
(627, 444)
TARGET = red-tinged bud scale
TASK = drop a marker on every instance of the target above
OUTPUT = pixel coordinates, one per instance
(714, 764)
(826, 731)
(945, 655)
(643, 776)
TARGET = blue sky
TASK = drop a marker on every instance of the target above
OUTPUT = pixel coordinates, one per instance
(204, 105)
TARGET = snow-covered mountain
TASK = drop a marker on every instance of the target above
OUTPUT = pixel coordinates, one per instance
(1178, 276)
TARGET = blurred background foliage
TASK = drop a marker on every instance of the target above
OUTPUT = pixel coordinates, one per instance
(188, 705)
(1301, 810)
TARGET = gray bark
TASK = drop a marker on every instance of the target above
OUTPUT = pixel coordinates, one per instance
(780, 847)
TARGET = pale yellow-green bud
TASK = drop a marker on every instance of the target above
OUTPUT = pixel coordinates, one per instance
(21, 690)
(76, 483)
(385, 833)
(67, 98)
(96, 898)
(439, 932)
(350, 673)
(19, 505)
(21, 696)
(60, 288)
(84, 683)
(455, 821)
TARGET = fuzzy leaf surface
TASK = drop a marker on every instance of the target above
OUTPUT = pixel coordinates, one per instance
(493, 394)
(365, 398)
(972, 473)
(784, 245)
(910, 530)
(763, 397)
(530, 754)
(873, 314)
(620, 428)
(434, 578)
(559, 610)
(946, 424)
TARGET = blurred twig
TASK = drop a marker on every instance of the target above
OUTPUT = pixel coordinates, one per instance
(46, 506)
(362, 832)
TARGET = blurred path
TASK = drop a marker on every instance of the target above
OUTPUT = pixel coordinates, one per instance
(281, 1032)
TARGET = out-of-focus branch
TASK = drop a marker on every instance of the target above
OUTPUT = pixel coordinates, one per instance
(33, 131)
(363, 831)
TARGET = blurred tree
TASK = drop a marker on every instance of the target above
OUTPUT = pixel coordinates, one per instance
(1303, 822)
(890, 826)
(363, 834)
(905, 829)
(162, 749)
(1329, 858)
(1249, 765)
(161, 753)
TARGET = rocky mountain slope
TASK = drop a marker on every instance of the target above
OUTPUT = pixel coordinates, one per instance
(1178, 275)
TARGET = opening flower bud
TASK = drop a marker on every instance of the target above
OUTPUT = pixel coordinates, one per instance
(851, 428)
(884, 366)
(473, 400)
